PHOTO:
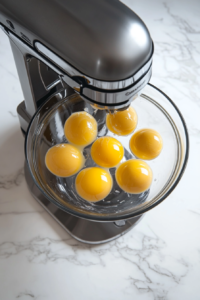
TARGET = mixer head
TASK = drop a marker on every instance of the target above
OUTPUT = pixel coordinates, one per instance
(101, 49)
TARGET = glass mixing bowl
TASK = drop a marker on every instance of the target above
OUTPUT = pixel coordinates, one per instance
(155, 110)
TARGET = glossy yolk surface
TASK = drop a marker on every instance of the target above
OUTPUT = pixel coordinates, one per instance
(93, 184)
(107, 152)
(134, 176)
(64, 160)
(122, 122)
(80, 129)
(146, 144)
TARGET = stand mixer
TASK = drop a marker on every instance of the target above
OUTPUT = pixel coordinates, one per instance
(96, 56)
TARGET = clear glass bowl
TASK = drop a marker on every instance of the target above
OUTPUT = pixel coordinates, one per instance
(155, 110)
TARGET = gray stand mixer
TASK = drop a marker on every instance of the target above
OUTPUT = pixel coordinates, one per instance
(92, 55)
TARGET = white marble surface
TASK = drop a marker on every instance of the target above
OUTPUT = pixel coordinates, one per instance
(160, 258)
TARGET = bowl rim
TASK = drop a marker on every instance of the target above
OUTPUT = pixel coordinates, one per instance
(100, 218)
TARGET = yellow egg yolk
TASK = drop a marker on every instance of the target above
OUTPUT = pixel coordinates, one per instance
(64, 160)
(146, 144)
(93, 184)
(80, 129)
(122, 122)
(107, 152)
(134, 176)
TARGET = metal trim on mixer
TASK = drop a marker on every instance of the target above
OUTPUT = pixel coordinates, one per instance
(110, 98)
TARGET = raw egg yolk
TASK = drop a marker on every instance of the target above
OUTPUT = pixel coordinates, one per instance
(134, 176)
(80, 129)
(64, 160)
(93, 184)
(122, 122)
(107, 152)
(146, 144)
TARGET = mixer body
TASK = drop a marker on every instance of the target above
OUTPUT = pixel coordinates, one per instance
(98, 49)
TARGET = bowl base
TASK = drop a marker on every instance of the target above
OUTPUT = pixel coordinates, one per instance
(86, 231)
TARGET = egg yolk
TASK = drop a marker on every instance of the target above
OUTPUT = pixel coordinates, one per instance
(64, 160)
(134, 176)
(80, 129)
(107, 152)
(122, 122)
(146, 144)
(93, 184)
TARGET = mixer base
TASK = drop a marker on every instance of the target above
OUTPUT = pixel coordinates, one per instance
(83, 230)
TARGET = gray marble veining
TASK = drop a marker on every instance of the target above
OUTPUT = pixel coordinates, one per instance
(158, 259)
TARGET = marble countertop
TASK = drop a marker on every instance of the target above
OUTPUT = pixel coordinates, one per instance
(160, 257)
